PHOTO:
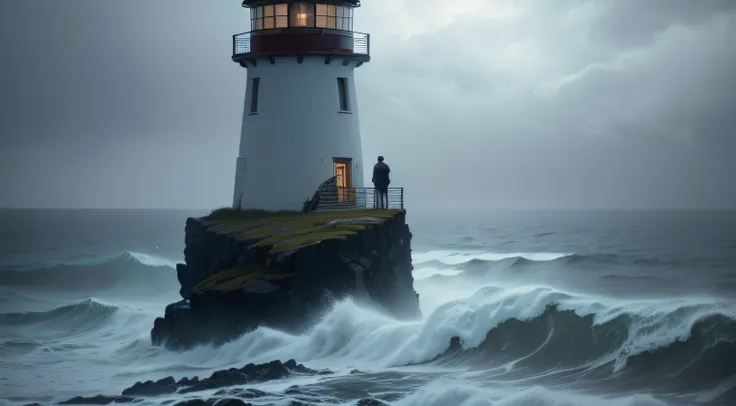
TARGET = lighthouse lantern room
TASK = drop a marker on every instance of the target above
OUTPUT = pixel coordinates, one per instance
(300, 119)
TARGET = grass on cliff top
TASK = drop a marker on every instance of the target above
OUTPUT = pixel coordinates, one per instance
(287, 231)
(237, 278)
(230, 214)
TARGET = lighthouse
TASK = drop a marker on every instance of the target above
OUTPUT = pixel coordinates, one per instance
(300, 122)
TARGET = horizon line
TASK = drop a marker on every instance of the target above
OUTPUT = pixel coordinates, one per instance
(407, 209)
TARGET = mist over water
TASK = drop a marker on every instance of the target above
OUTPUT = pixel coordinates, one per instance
(520, 308)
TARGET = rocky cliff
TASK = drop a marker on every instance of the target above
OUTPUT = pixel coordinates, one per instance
(245, 269)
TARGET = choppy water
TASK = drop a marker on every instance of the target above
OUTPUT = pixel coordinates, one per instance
(551, 308)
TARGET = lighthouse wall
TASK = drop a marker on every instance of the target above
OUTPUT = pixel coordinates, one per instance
(287, 147)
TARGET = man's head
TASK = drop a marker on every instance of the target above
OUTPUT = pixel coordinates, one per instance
(380, 158)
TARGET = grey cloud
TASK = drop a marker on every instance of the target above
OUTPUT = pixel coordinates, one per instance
(669, 90)
(83, 69)
(634, 22)
(666, 83)
(641, 126)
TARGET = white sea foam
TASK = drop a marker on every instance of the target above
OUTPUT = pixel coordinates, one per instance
(444, 393)
(459, 257)
(152, 260)
(423, 270)
(351, 336)
(424, 273)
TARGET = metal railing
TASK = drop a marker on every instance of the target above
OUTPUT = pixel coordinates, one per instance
(361, 42)
(340, 198)
(241, 43)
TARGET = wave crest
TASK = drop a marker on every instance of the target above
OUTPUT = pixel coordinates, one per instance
(129, 268)
(464, 257)
(63, 321)
(451, 263)
(627, 344)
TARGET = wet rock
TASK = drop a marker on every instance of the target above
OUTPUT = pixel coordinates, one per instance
(187, 381)
(195, 402)
(219, 379)
(150, 388)
(247, 374)
(374, 264)
(98, 400)
(231, 402)
(251, 373)
(214, 402)
(371, 402)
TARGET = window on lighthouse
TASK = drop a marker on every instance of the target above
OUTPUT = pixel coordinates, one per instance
(301, 19)
(282, 15)
(256, 18)
(269, 17)
(342, 90)
(326, 16)
(334, 17)
(254, 95)
(268, 22)
(302, 14)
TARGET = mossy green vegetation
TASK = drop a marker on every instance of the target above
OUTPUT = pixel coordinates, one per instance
(230, 214)
(287, 231)
(310, 239)
(238, 278)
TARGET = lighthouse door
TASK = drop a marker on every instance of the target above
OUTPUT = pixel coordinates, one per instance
(344, 174)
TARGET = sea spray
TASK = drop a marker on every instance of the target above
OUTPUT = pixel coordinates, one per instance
(449, 393)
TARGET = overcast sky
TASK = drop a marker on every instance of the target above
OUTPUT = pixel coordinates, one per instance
(504, 104)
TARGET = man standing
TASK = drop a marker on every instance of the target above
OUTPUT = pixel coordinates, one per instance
(381, 181)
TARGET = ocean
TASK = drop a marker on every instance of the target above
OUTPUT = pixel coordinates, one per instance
(551, 308)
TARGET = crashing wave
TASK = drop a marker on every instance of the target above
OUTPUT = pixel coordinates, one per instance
(516, 332)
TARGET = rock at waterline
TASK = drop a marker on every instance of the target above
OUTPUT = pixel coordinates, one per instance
(251, 373)
(98, 400)
(249, 268)
(248, 374)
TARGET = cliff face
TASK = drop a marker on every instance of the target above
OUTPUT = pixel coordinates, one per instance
(283, 272)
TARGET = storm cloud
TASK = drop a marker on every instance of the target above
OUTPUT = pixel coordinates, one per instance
(490, 103)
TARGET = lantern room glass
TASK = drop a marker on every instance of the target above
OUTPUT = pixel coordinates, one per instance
(302, 14)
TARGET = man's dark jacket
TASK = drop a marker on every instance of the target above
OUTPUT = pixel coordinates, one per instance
(380, 176)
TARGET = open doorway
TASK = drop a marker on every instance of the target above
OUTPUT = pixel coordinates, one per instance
(343, 170)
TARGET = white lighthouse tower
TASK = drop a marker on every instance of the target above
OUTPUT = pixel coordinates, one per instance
(300, 118)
